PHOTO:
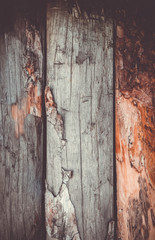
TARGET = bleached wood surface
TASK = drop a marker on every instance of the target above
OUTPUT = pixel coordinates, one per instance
(80, 75)
(21, 134)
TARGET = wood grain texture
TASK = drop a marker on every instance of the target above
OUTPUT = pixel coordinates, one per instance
(80, 75)
(21, 133)
(135, 129)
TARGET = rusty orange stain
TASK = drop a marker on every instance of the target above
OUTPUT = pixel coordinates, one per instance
(19, 114)
(32, 104)
(34, 97)
(49, 101)
(117, 136)
(120, 31)
(134, 150)
(123, 144)
(30, 68)
(34, 101)
(148, 140)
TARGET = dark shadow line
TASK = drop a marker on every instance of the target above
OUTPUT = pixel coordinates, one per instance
(43, 31)
(114, 130)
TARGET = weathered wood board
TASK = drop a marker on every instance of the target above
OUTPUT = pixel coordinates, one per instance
(21, 133)
(80, 117)
(135, 129)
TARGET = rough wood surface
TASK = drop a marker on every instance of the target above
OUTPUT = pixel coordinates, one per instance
(80, 76)
(135, 130)
(21, 133)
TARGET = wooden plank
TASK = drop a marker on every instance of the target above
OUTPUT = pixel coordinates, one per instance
(21, 132)
(135, 129)
(80, 75)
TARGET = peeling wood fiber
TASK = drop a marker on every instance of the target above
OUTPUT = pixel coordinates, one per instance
(60, 215)
(79, 100)
(31, 99)
(135, 130)
(61, 221)
(21, 133)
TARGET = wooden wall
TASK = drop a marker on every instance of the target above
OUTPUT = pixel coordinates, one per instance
(79, 134)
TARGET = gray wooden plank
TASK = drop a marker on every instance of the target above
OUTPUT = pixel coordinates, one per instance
(80, 75)
(21, 134)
